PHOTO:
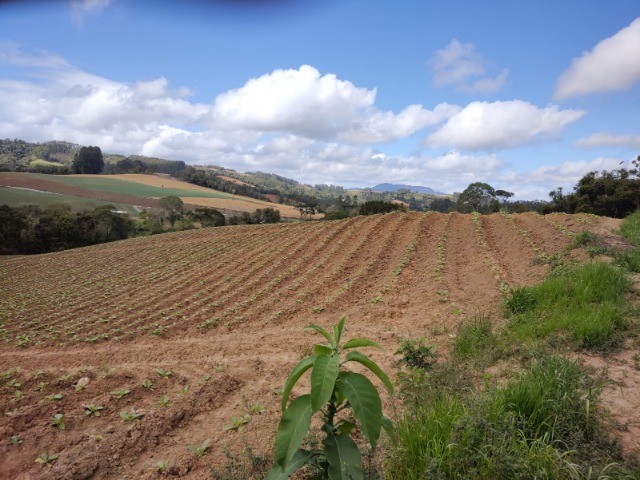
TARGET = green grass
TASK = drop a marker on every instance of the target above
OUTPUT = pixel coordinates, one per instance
(583, 303)
(476, 341)
(542, 423)
(15, 197)
(115, 185)
(630, 228)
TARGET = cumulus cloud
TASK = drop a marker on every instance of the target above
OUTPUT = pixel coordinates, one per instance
(613, 64)
(304, 102)
(501, 125)
(603, 139)
(461, 66)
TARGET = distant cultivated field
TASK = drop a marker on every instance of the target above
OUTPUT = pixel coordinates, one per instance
(223, 310)
(15, 197)
(141, 190)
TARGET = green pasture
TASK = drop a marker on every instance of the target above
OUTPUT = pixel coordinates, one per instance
(15, 197)
(113, 185)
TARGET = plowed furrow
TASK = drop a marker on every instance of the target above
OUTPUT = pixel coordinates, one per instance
(470, 284)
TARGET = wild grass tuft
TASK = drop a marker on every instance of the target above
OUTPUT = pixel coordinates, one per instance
(630, 228)
(541, 424)
(583, 303)
(476, 341)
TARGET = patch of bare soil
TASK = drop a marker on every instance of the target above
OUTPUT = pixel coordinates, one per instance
(224, 311)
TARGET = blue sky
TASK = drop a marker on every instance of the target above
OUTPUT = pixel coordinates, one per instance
(526, 96)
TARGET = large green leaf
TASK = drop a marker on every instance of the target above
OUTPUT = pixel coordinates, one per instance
(343, 457)
(371, 365)
(365, 403)
(338, 329)
(360, 342)
(323, 379)
(322, 350)
(304, 365)
(322, 332)
(293, 427)
(299, 460)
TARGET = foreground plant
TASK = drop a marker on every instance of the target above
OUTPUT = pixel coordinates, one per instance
(334, 391)
(46, 459)
(201, 450)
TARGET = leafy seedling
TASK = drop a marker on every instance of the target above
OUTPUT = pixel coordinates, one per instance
(256, 408)
(201, 450)
(46, 459)
(164, 401)
(148, 384)
(238, 422)
(161, 466)
(92, 409)
(131, 416)
(58, 421)
(15, 440)
(54, 397)
(121, 392)
(163, 373)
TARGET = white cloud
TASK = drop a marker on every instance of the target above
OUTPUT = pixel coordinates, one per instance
(81, 8)
(501, 125)
(460, 66)
(304, 102)
(603, 139)
(613, 64)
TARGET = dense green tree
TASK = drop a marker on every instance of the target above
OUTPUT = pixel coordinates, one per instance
(372, 207)
(478, 197)
(613, 193)
(442, 205)
(208, 217)
(173, 207)
(88, 160)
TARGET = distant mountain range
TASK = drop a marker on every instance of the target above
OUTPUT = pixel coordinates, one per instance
(394, 187)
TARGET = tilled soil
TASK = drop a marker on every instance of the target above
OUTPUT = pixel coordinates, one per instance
(224, 311)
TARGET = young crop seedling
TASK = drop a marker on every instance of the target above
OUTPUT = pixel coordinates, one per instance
(335, 391)
(92, 410)
(164, 401)
(201, 450)
(148, 384)
(131, 416)
(15, 440)
(256, 408)
(161, 466)
(54, 397)
(58, 421)
(121, 392)
(163, 373)
(46, 459)
(237, 423)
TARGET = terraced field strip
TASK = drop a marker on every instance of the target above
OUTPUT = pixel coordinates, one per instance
(322, 279)
(545, 230)
(469, 282)
(271, 289)
(514, 252)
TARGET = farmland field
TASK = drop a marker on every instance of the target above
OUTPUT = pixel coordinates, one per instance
(15, 197)
(223, 310)
(140, 190)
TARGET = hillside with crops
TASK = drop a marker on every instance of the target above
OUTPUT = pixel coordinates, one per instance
(150, 345)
